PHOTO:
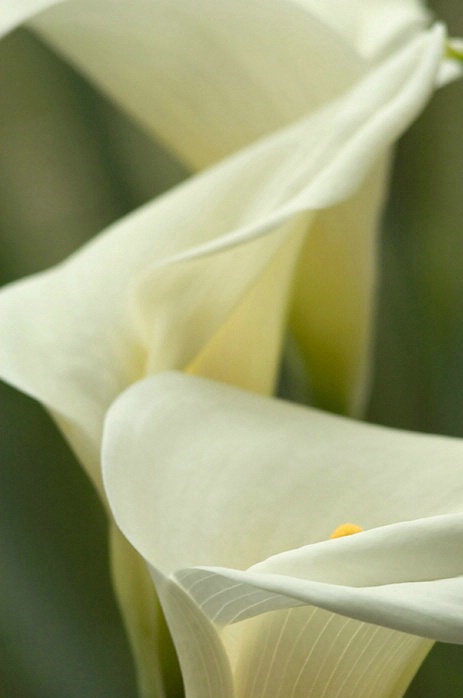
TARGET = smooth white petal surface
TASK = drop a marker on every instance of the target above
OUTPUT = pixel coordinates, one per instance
(233, 497)
(316, 469)
(136, 302)
(377, 27)
(371, 27)
(165, 61)
(408, 576)
(206, 77)
(206, 669)
(112, 312)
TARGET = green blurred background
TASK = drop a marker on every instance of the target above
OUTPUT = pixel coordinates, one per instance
(69, 165)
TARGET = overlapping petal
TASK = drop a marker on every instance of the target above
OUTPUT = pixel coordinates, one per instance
(206, 77)
(333, 306)
(373, 28)
(186, 280)
(376, 28)
(231, 498)
(200, 279)
(142, 298)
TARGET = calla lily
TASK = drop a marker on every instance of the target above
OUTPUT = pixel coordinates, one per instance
(208, 78)
(201, 279)
(231, 499)
(143, 297)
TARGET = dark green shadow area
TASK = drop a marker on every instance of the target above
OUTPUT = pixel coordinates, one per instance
(60, 631)
(419, 348)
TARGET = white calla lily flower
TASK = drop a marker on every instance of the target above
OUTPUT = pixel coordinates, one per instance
(183, 281)
(231, 499)
(208, 78)
(202, 279)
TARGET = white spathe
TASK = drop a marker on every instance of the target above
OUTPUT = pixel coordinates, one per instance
(209, 77)
(211, 263)
(201, 279)
(206, 77)
(231, 499)
(223, 77)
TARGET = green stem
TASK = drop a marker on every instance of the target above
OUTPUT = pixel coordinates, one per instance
(451, 51)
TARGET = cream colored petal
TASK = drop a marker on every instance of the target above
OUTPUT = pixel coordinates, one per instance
(241, 458)
(223, 477)
(373, 27)
(206, 77)
(379, 26)
(77, 336)
(281, 653)
(284, 652)
(206, 669)
(406, 576)
(89, 323)
(258, 320)
(333, 307)
(140, 609)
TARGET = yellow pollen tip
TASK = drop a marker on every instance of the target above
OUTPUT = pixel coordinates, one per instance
(347, 529)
